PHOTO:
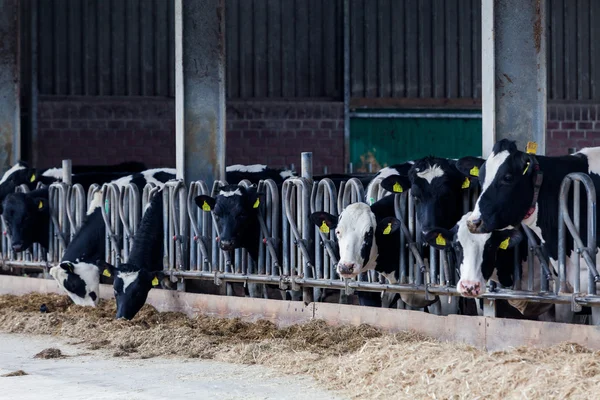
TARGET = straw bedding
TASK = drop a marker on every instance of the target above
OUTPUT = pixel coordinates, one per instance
(362, 361)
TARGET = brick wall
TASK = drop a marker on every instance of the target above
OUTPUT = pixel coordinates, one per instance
(275, 133)
(572, 126)
(106, 130)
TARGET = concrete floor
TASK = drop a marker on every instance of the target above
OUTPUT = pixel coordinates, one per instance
(94, 375)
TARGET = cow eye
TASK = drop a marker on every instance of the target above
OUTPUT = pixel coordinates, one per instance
(507, 178)
(338, 233)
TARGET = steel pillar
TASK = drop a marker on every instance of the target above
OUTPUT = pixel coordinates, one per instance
(10, 127)
(514, 72)
(200, 89)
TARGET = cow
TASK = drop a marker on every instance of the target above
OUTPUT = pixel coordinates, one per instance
(27, 219)
(368, 239)
(133, 280)
(396, 169)
(481, 256)
(519, 187)
(77, 272)
(255, 173)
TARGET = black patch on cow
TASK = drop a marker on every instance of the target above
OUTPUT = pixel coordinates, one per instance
(367, 244)
(163, 176)
(75, 285)
(93, 296)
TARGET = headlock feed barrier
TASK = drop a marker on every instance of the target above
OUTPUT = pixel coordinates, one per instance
(294, 256)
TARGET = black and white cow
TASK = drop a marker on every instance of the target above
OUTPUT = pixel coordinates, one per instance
(371, 195)
(143, 270)
(27, 219)
(78, 273)
(520, 187)
(368, 239)
(255, 173)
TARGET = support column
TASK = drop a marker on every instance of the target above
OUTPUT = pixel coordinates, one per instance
(514, 72)
(200, 89)
(10, 131)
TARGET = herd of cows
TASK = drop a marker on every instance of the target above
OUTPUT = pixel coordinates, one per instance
(515, 187)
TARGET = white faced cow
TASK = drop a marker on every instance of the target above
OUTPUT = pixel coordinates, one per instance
(519, 187)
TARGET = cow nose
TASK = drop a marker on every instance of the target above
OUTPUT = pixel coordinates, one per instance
(226, 244)
(469, 288)
(346, 269)
(17, 247)
(474, 225)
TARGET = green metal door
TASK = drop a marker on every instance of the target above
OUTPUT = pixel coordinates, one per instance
(384, 141)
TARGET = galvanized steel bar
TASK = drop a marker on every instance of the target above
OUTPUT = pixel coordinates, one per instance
(200, 225)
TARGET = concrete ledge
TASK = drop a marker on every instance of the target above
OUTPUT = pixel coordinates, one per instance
(492, 334)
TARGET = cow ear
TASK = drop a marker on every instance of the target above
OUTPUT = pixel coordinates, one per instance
(206, 203)
(41, 204)
(387, 226)
(470, 166)
(396, 183)
(106, 269)
(439, 238)
(324, 221)
(67, 266)
(508, 238)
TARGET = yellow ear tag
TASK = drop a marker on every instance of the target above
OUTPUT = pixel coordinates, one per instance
(466, 184)
(526, 168)
(256, 203)
(155, 281)
(531, 148)
(106, 273)
(324, 228)
(32, 178)
(387, 229)
(474, 171)
(397, 188)
(205, 206)
(40, 205)
(504, 244)
(439, 240)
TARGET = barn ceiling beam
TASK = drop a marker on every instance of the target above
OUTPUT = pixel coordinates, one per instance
(513, 72)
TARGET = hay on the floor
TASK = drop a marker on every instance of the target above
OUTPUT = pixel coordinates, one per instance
(15, 373)
(361, 361)
(50, 353)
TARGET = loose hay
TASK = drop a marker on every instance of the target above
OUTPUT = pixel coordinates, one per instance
(47, 354)
(362, 361)
(15, 373)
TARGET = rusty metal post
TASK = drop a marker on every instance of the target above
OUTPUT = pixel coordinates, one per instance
(10, 128)
(514, 72)
(200, 89)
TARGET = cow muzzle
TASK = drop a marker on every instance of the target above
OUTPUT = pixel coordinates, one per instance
(226, 245)
(470, 288)
(348, 270)
(475, 225)
(18, 247)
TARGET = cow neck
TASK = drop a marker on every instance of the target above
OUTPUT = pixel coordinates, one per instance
(538, 177)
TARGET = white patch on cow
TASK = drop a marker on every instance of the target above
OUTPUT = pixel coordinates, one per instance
(473, 245)
(55, 173)
(148, 176)
(381, 175)
(593, 159)
(128, 278)
(355, 221)
(431, 173)
(12, 170)
(246, 168)
(492, 165)
(532, 223)
(391, 278)
(95, 203)
(230, 193)
(89, 273)
(286, 173)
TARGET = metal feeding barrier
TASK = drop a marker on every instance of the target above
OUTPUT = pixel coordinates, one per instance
(297, 258)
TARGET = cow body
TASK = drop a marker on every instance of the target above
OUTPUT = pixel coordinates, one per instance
(512, 193)
(255, 173)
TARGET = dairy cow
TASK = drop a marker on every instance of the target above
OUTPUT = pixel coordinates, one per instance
(520, 187)
(255, 173)
(77, 272)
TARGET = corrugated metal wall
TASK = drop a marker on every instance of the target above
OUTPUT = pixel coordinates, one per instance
(106, 47)
(573, 50)
(293, 48)
(284, 48)
(416, 48)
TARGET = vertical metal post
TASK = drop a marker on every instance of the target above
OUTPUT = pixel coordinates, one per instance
(201, 120)
(514, 72)
(304, 208)
(347, 93)
(10, 112)
(66, 172)
(33, 109)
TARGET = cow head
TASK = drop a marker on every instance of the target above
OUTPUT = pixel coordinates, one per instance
(437, 188)
(235, 212)
(475, 253)
(18, 174)
(357, 233)
(80, 280)
(26, 217)
(507, 191)
(131, 286)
